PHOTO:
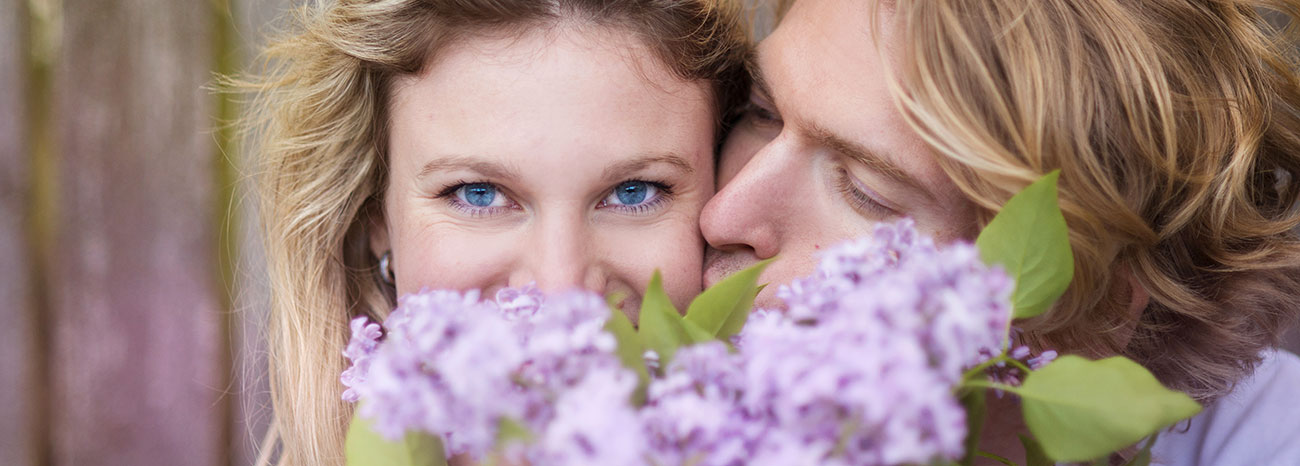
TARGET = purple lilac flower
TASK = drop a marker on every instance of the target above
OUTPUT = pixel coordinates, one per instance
(443, 369)
(894, 277)
(455, 366)
(692, 415)
(854, 391)
(1037, 362)
(519, 303)
(365, 338)
(595, 424)
(566, 344)
(1011, 374)
(859, 369)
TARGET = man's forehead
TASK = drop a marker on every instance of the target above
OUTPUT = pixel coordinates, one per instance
(822, 65)
(824, 72)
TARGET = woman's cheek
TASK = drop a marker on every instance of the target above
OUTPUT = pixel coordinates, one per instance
(449, 260)
(680, 245)
(678, 253)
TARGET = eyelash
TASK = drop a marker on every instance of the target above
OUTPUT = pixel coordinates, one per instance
(759, 112)
(448, 194)
(861, 200)
(665, 195)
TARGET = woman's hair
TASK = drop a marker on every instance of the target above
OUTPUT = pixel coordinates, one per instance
(1176, 127)
(319, 124)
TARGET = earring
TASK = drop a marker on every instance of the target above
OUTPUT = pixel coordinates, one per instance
(386, 267)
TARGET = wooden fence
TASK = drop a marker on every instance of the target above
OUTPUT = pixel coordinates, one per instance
(130, 276)
(132, 286)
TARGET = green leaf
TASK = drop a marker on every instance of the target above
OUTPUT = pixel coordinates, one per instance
(510, 431)
(1080, 409)
(365, 447)
(631, 351)
(697, 334)
(1029, 239)
(976, 408)
(661, 326)
(1143, 457)
(722, 309)
(1034, 454)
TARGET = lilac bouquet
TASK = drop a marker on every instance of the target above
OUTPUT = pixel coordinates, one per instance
(881, 357)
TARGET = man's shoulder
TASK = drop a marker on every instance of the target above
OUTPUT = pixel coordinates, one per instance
(1258, 423)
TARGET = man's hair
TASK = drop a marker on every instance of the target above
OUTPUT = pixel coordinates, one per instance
(319, 124)
(1176, 127)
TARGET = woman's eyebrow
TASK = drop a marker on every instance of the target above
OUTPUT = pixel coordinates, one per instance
(628, 167)
(486, 168)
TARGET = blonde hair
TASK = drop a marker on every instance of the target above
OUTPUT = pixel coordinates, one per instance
(1176, 127)
(319, 117)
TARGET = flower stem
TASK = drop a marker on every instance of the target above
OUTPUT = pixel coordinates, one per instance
(979, 370)
(988, 384)
(995, 458)
(1019, 365)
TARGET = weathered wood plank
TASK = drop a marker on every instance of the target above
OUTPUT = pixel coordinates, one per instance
(18, 352)
(137, 351)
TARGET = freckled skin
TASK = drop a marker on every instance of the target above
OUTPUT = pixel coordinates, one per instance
(779, 190)
(555, 111)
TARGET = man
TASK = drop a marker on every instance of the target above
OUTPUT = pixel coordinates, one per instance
(1174, 124)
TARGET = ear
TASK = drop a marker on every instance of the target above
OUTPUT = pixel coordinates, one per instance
(1128, 292)
(1138, 296)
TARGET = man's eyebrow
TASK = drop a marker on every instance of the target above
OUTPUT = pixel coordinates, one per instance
(865, 156)
(628, 167)
(758, 81)
(460, 162)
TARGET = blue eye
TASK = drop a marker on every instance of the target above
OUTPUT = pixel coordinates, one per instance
(479, 194)
(631, 193)
(478, 199)
(637, 197)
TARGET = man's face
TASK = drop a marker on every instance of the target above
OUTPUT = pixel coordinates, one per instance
(822, 153)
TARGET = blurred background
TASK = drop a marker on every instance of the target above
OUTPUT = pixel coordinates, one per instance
(131, 278)
(132, 283)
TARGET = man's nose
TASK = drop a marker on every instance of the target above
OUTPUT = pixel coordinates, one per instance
(559, 258)
(752, 209)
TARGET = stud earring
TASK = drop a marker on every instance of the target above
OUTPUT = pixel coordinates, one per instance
(386, 267)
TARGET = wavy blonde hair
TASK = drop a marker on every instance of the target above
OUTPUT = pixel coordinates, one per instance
(318, 119)
(1176, 127)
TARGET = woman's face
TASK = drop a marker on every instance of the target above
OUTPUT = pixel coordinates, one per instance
(567, 157)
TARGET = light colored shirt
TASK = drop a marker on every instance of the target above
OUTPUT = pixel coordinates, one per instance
(1257, 424)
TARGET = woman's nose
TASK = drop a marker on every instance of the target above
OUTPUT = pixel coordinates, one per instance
(559, 257)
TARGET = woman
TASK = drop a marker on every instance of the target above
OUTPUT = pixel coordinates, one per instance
(478, 144)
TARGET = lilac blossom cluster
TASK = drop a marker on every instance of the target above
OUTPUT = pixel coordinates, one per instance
(457, 366)
(1020, 356)
(954, 306)
(859, 369)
